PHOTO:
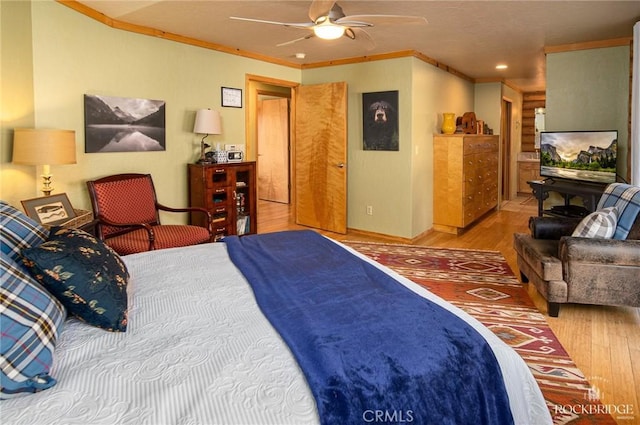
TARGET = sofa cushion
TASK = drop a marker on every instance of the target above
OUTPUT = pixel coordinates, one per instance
(599, 224)
(87, 276)
(31, 321)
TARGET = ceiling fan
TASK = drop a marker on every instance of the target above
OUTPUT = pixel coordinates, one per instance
(329, 22)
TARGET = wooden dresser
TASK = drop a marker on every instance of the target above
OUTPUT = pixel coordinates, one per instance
(465, 179)
(527, 171)
(228, 191)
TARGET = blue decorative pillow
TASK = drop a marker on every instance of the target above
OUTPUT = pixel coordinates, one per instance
(87, 276)
(18, 231)
(31, 321)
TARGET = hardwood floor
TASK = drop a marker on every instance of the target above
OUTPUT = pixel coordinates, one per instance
(603, 341)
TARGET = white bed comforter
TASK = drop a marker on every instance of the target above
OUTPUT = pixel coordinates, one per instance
(199, 351)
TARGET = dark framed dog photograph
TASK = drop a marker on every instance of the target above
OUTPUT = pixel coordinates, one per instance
(380, 121)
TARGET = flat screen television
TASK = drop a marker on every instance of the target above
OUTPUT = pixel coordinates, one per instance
(588, 156)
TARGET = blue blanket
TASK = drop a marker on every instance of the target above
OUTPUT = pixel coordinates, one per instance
(372, 350)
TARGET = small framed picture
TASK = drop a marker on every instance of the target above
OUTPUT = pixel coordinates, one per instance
(49, 210)
(231, 97)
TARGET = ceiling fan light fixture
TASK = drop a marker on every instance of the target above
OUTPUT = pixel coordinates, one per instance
(328, 31)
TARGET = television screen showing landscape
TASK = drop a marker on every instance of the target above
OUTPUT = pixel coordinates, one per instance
(579, 155)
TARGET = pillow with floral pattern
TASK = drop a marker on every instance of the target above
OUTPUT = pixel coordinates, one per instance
(87, 276)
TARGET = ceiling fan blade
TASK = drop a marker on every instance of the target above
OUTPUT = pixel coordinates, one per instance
(320, 8)
(306, 25)
(361, 35)
(353, 24)
(286, 43)
(358, 20)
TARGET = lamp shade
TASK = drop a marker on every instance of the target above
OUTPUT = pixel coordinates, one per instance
(43, 146)
(207, 122)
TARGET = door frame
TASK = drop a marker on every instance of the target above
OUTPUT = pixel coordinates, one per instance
(506, 112)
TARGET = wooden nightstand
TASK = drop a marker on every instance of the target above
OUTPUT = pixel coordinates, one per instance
(83, 220)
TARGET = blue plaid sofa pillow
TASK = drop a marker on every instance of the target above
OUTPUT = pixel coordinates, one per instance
(18, 231)
(626, 198)
(30, 323)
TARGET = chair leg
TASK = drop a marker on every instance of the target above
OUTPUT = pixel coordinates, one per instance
(553, 309)
(524, 278)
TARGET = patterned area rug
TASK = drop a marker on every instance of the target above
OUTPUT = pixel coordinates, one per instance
(482, 284)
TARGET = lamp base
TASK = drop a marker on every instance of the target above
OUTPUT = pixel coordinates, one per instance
(46, 184)
(205, 161)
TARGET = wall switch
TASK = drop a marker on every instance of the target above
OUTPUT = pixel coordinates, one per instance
(369, 210)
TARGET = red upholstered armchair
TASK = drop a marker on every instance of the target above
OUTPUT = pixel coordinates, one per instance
(128, 219)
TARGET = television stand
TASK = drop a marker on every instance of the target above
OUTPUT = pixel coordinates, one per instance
(589, 192)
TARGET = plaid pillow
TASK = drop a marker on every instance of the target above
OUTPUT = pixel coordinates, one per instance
(30, 322)
(627, 198)
(18, 231)
(599, 224)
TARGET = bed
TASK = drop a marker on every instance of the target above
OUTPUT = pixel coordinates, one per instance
(199, 349)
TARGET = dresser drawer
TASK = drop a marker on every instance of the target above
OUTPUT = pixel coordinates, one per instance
(217, 177)
(480, 145)
(219, 197)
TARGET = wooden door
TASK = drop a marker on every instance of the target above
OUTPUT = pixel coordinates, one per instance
(273, 150)
(321, 156)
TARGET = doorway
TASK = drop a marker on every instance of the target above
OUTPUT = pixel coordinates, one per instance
(273, 148)
(317, 148)
(505, 149)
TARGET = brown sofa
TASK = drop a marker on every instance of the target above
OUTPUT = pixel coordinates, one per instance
(566, 269)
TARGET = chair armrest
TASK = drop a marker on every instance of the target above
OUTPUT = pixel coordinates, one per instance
(189, 209)
(170, 209)
(600, 251)
(552, 227)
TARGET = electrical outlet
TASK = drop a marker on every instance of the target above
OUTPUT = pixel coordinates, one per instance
(369, 210)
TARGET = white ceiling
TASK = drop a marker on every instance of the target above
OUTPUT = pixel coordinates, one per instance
(469, 36)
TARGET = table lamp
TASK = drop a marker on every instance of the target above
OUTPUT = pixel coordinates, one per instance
(44, 147)
(207, 122)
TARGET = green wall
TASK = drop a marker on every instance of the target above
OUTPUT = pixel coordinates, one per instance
(398, 185)
(589, 90)
(73, 55)
(16, 95)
